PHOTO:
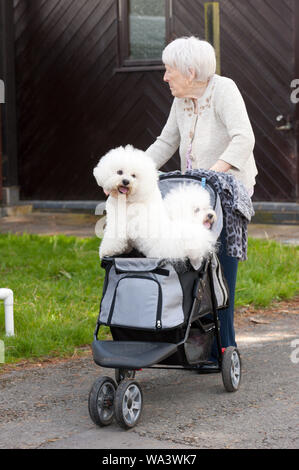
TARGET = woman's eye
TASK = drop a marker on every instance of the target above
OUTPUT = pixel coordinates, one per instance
(120, 172)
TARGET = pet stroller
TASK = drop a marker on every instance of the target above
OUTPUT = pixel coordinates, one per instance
(161, 315)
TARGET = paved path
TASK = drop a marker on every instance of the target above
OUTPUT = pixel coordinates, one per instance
(83, 225)
(46, 406)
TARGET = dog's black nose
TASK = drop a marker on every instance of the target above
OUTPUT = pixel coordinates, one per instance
(210, 216)
(126, 182)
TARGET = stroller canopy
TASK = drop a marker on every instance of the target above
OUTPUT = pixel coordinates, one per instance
(169, 181)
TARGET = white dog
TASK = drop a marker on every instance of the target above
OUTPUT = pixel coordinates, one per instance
(138, 217)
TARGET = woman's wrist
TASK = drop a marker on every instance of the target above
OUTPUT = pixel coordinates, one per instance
(221, 166)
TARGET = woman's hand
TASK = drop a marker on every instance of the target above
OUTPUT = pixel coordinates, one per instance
(221, 166)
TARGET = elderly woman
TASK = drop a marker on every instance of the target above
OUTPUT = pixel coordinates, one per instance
(208, 121)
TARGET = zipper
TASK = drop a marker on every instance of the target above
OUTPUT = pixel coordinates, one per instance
(107, 267)
(159, 304)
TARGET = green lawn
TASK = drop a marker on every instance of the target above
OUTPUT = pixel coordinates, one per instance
(57, 283)
(270, 273)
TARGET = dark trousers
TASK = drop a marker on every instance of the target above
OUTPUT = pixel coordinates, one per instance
(226, 316)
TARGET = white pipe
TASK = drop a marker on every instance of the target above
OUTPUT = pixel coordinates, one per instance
(7, 296)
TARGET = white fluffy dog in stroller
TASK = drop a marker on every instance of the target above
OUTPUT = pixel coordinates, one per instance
(176, 227)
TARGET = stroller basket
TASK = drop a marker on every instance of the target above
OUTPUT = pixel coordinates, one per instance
(131, 354)
(149, 307)
(143, 294)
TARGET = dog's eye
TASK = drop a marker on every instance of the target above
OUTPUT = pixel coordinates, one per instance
(133, 176)
(196, 210)
(120, 172)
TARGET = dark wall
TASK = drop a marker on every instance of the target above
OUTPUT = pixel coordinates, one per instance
(257, 43)
(73, 107)
(8, 124)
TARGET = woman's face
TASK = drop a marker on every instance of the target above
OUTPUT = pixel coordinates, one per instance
(179, 84)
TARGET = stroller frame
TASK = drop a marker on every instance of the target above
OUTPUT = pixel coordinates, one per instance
(122, 398)
(203, 367)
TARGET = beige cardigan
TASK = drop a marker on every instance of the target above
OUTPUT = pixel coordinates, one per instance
(223, 131)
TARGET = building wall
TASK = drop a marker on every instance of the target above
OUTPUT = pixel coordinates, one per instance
(73, 107)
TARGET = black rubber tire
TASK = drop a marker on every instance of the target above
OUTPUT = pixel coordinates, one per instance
(231, 376)
(122, 374)
(102, 414)
(128, 414)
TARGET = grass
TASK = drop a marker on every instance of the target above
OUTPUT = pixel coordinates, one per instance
(270, 273)
(57, 283)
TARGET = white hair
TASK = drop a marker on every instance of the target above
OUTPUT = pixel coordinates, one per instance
(188, 53)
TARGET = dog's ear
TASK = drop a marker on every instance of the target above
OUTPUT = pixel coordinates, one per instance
(100, 171)
(97, 175)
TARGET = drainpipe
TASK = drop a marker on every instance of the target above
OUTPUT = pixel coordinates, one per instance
(7, 296)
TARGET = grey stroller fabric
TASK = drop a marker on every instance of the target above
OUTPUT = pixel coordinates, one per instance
(140, 295)
(149, 294)
(219, 282)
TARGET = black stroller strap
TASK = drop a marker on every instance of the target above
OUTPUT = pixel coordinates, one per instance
(160, 271)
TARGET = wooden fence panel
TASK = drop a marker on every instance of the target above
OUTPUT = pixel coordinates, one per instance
(73, 107)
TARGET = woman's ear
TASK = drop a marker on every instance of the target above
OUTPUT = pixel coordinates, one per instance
(192, 74)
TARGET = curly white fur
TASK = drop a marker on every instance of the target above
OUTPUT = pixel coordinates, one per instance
(138, 217)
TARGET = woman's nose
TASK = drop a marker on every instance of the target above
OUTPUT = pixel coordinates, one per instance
(165, 78)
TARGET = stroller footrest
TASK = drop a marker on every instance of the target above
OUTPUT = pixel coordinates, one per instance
(130, 354)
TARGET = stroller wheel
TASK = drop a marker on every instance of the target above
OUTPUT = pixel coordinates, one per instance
(121, 374)
(128, 403)
(101, 399)
(231, 369)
